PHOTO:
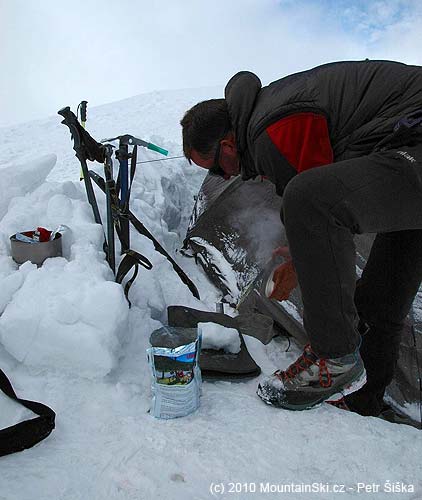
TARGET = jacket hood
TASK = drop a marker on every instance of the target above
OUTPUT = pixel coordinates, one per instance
(240, 93)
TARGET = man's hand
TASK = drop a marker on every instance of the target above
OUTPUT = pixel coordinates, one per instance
(285, 279)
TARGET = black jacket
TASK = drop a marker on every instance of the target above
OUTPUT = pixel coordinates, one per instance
(362, 102)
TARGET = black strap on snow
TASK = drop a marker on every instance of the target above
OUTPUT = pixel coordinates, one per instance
(137, 224)
(25, 434)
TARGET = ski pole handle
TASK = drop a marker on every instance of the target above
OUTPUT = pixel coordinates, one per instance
(83, 105)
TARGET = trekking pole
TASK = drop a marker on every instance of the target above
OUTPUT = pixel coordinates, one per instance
(111, 216)
(122, 155)
(93, 149)
(82, 113)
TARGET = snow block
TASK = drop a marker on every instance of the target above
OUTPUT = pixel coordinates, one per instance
(215, 336)
(66, 320)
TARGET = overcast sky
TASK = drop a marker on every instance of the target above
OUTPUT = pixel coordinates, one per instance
(57, 52)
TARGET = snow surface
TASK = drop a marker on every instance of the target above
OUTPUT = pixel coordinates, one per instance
(67, 338)
(217, 337)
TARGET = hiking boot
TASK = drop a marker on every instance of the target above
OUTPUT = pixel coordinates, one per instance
(338, 403)
(310, 380)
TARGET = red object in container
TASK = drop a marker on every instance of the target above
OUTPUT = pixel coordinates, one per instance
(44, 234)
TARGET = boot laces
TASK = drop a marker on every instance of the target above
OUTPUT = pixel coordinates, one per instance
(304, 362)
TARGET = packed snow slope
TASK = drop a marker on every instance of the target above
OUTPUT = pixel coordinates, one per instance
(67, 338)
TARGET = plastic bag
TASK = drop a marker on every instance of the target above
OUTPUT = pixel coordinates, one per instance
(176, 376)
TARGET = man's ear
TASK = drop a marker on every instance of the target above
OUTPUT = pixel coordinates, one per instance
(229, 143)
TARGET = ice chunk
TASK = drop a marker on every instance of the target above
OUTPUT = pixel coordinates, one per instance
(21, 179)
(217, 337)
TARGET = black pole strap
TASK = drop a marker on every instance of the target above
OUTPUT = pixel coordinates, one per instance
(25, 434)
(131, 260)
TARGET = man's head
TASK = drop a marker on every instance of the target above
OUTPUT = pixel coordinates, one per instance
(208, 138)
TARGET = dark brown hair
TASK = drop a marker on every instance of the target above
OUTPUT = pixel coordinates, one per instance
(203, 126)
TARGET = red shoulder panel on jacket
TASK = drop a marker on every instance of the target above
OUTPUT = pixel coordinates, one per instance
(303, 140)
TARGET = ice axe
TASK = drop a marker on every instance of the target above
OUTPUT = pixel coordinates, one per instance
(123, 182)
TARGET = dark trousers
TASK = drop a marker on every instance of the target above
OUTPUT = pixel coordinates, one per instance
(323, 208)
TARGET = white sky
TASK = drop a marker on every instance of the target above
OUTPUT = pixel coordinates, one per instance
(57, 52)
